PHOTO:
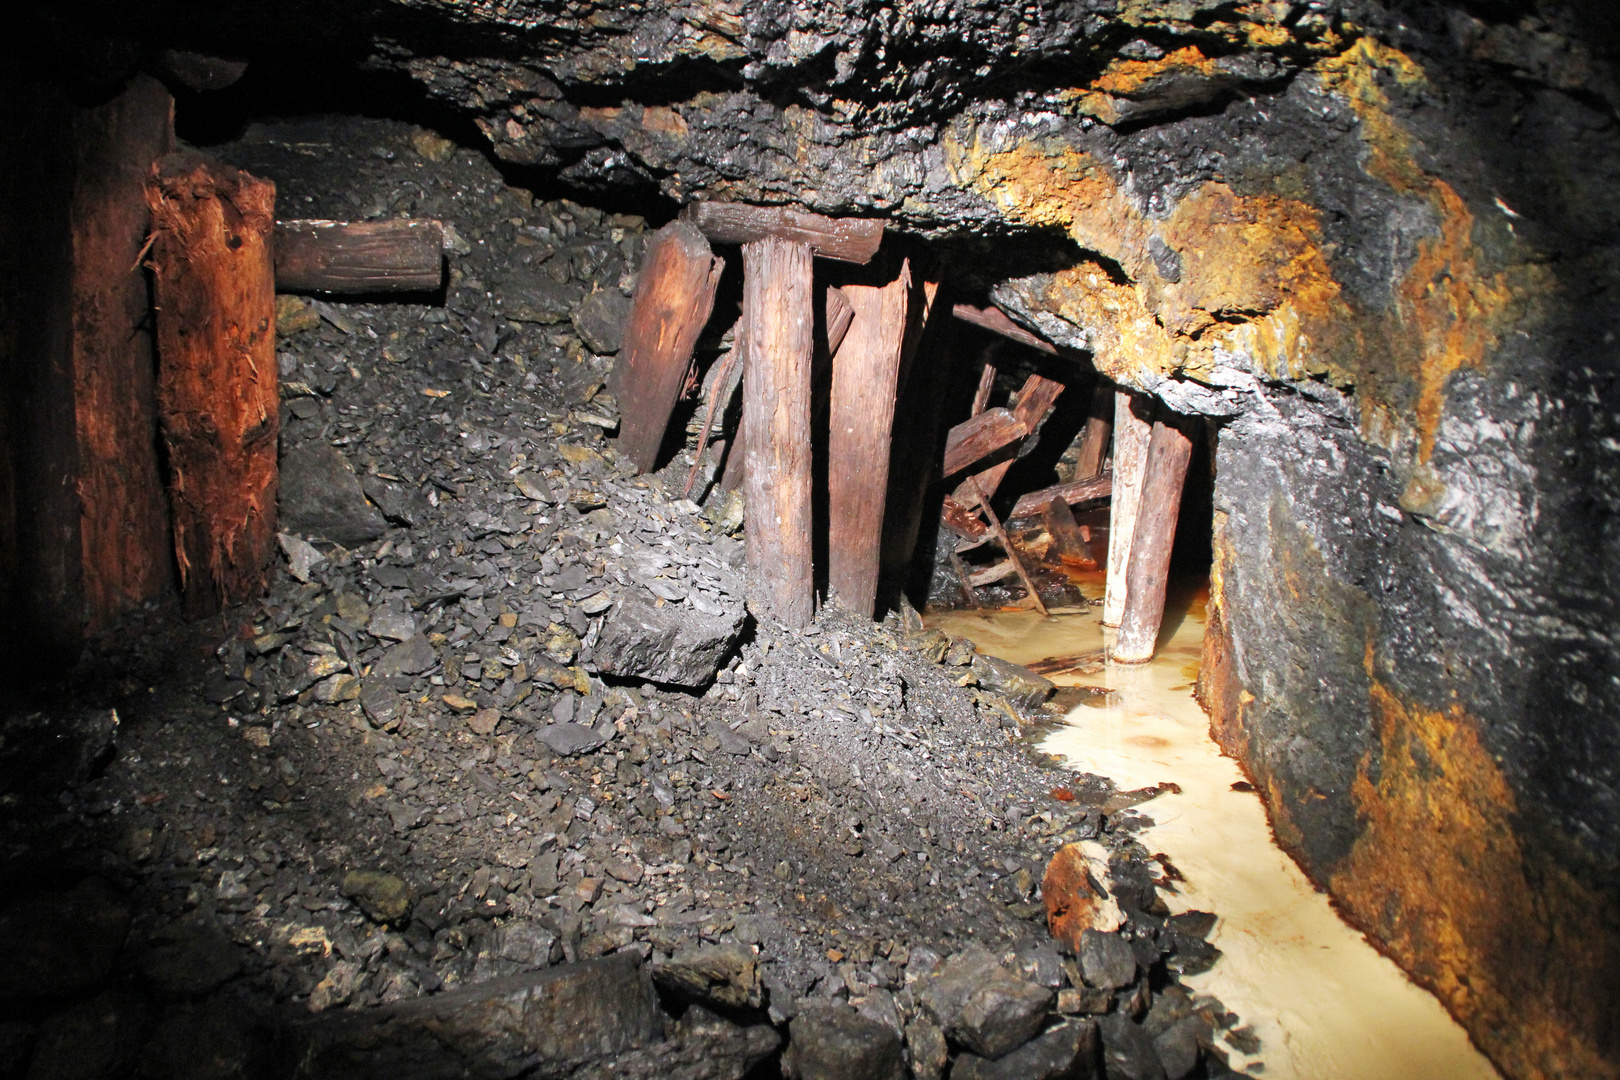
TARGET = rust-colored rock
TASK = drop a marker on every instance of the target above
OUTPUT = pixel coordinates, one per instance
(1076, 898)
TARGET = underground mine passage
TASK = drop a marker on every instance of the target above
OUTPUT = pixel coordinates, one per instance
(810, 541)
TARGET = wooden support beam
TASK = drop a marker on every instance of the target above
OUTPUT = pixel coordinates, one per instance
(1006, 545)
(981, 394)
(778, 349)
(919, 406)
(996, 321)
(1094, 436)
(125, 554)
(838, 315)
(359, 256)
(1148, 576)
(1133, 427)
(1033, 406)
(853, 240)
(673, 300)
(214, 291)
(866, 372)
(1091, 489)
(977, 437)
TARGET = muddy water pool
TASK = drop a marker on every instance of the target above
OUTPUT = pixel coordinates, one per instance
(1324, 1003)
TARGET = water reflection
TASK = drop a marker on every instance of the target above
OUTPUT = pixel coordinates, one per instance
(1325, 1004)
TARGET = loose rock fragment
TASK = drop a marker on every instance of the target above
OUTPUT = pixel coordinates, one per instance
(384, 897)
(834, 1042)
(670, 644)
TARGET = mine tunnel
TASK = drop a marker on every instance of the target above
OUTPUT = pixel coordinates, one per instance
(1045, 542)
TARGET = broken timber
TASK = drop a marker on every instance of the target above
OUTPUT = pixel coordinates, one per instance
(218, 401)
(996, 321)
(1000, 534)
(359, 256)
(673, 300)
(1075, 492)
(866, 372)
(1033, 406)
(1094, 436)
(1132, 430)
(1153, 538)
(777, 349)
(977, 437)
(853, 240)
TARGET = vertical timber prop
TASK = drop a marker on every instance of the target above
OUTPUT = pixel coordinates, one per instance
(1154, 537)
(778, 349)
(218, 399)
(673, 300)
(1094, 436)
(866, 373)
(1132, 431)
(123, 514)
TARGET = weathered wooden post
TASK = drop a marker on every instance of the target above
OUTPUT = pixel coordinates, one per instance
(123, 514)
(1148, 575)
(1132, 430)
(218, 400)
(777, 290)
(673, 300)
(1094, 436)
(866, 371)
(778, 345)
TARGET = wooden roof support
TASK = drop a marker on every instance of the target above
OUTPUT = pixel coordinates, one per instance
(852, 240)
(673, 300)
(1148, 576)
(1094, 436)
(866, 372)
(218, 402)
(996, 321)
(1133, 427)
(778, 346)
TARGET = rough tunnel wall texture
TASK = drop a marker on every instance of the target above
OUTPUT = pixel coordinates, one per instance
(1379, 244)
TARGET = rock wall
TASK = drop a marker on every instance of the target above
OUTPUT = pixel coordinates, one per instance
(1377, 244)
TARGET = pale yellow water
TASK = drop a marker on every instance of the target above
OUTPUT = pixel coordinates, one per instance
(1325, 1004)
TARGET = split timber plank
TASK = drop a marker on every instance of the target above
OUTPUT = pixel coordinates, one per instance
(996, 321)
(964, 521)
(1133, 428)
(214, 290)
(919, 405)
(359, 256)
(124, 541)
(673, 300)
(992, 574)
(852, 240)
(1148, 576)
(1091, 489)
(1094, 436)
(866, 373)
(838, 315)
(1033, 406)
(977, 437)
(779, 318)
(981, 394)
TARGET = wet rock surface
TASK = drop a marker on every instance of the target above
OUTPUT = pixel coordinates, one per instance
(513, 786)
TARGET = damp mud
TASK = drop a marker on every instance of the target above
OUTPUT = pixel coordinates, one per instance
(1322, 1002)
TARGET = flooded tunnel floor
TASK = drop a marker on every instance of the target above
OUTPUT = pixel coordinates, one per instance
(1323, 1001)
